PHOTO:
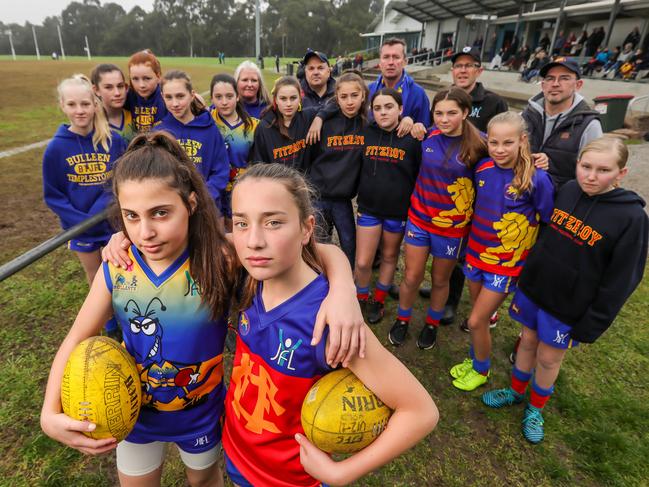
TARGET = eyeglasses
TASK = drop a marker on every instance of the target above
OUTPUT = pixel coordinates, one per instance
(465, 66)
(561, 79)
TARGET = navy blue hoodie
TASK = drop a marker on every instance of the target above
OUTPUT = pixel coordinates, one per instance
(146, 112)
(204, 145)
(76, 179)
(589, 258)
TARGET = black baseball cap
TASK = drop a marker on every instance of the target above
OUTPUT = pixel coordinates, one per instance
(310, 53)
(566, 62)
(467, 51)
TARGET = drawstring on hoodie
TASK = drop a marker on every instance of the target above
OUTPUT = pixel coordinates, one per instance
(576, 229)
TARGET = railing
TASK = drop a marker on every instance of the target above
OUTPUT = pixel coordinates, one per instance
(431, 57)
(31, 256)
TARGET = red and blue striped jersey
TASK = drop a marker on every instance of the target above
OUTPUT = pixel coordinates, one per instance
(274, 368)
(505, 223)
(442, 201)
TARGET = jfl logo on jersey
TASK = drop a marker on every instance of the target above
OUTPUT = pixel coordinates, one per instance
(285, 350)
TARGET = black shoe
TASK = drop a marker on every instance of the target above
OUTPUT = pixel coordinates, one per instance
(464, 325)
(448, 316)
(398, 333)
(427, 337)
(375, 311)
(363, 304)
(394, 292)
(425, 291)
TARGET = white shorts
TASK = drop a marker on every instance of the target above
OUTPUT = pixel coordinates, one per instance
(137, 459)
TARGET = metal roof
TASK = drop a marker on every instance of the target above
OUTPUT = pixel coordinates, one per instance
(430, 10)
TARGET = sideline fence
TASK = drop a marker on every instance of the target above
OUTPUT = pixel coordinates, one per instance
(31, 256)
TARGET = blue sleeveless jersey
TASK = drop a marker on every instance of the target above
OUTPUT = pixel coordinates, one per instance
(177, 348)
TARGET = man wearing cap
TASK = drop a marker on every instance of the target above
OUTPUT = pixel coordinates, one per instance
(466, 69)
(416, 106)
(317, 86)
(559, 120)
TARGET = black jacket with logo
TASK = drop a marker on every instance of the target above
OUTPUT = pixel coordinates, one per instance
(486, 105)
(337, 159)
(270, 145)
(388, 175)
(589, 259)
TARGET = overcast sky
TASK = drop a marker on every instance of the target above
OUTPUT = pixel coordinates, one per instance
(35, 11)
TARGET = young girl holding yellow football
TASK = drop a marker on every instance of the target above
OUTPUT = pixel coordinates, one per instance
(172, 301)
(274, 365)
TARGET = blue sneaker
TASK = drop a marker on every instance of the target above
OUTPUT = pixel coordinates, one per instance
(533, 425)
(499, 398)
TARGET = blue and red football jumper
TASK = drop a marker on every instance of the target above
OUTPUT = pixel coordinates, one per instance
(442, 201)
(505, 224)
(274, 368)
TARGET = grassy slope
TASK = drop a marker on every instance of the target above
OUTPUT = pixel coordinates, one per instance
(596, 424)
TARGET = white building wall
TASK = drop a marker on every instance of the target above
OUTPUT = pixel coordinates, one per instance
(397, 22)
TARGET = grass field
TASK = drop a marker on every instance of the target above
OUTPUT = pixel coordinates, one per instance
(597, 423)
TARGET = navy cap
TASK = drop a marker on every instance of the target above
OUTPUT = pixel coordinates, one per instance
(310, 53)
(566, 62)
(467, 51)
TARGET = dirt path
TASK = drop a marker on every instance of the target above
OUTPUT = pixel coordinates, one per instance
(638, 177)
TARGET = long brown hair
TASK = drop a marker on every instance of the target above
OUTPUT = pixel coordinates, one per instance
(524, 166)
(248, 124)
(353, 76)
(472, 144)
(157, 155)
(196, 106)
(303, 196)
(279, 118)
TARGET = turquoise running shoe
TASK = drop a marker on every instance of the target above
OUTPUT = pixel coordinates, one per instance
(499, 398)
(533, 425)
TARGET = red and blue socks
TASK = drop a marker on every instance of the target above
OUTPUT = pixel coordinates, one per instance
(404, 314)
(362, 293)
(381, 292)
(539, 396)
(520, 380)
(433, 317)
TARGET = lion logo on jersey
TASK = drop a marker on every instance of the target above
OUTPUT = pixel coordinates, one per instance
(462, 194)
(516, 235)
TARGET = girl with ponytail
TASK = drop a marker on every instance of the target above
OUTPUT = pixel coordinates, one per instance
(512, 199)
(194, 129)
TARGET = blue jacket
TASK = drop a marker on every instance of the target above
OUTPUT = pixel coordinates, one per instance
(415, 101)
(76, 179)
(146, 112)
(255, 109)
(204, 145)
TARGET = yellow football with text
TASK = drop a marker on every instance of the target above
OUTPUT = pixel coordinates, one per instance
(101, 384)
(341, 415)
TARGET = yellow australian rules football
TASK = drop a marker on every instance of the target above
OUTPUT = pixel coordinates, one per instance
(101, 384)
(341, 415)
